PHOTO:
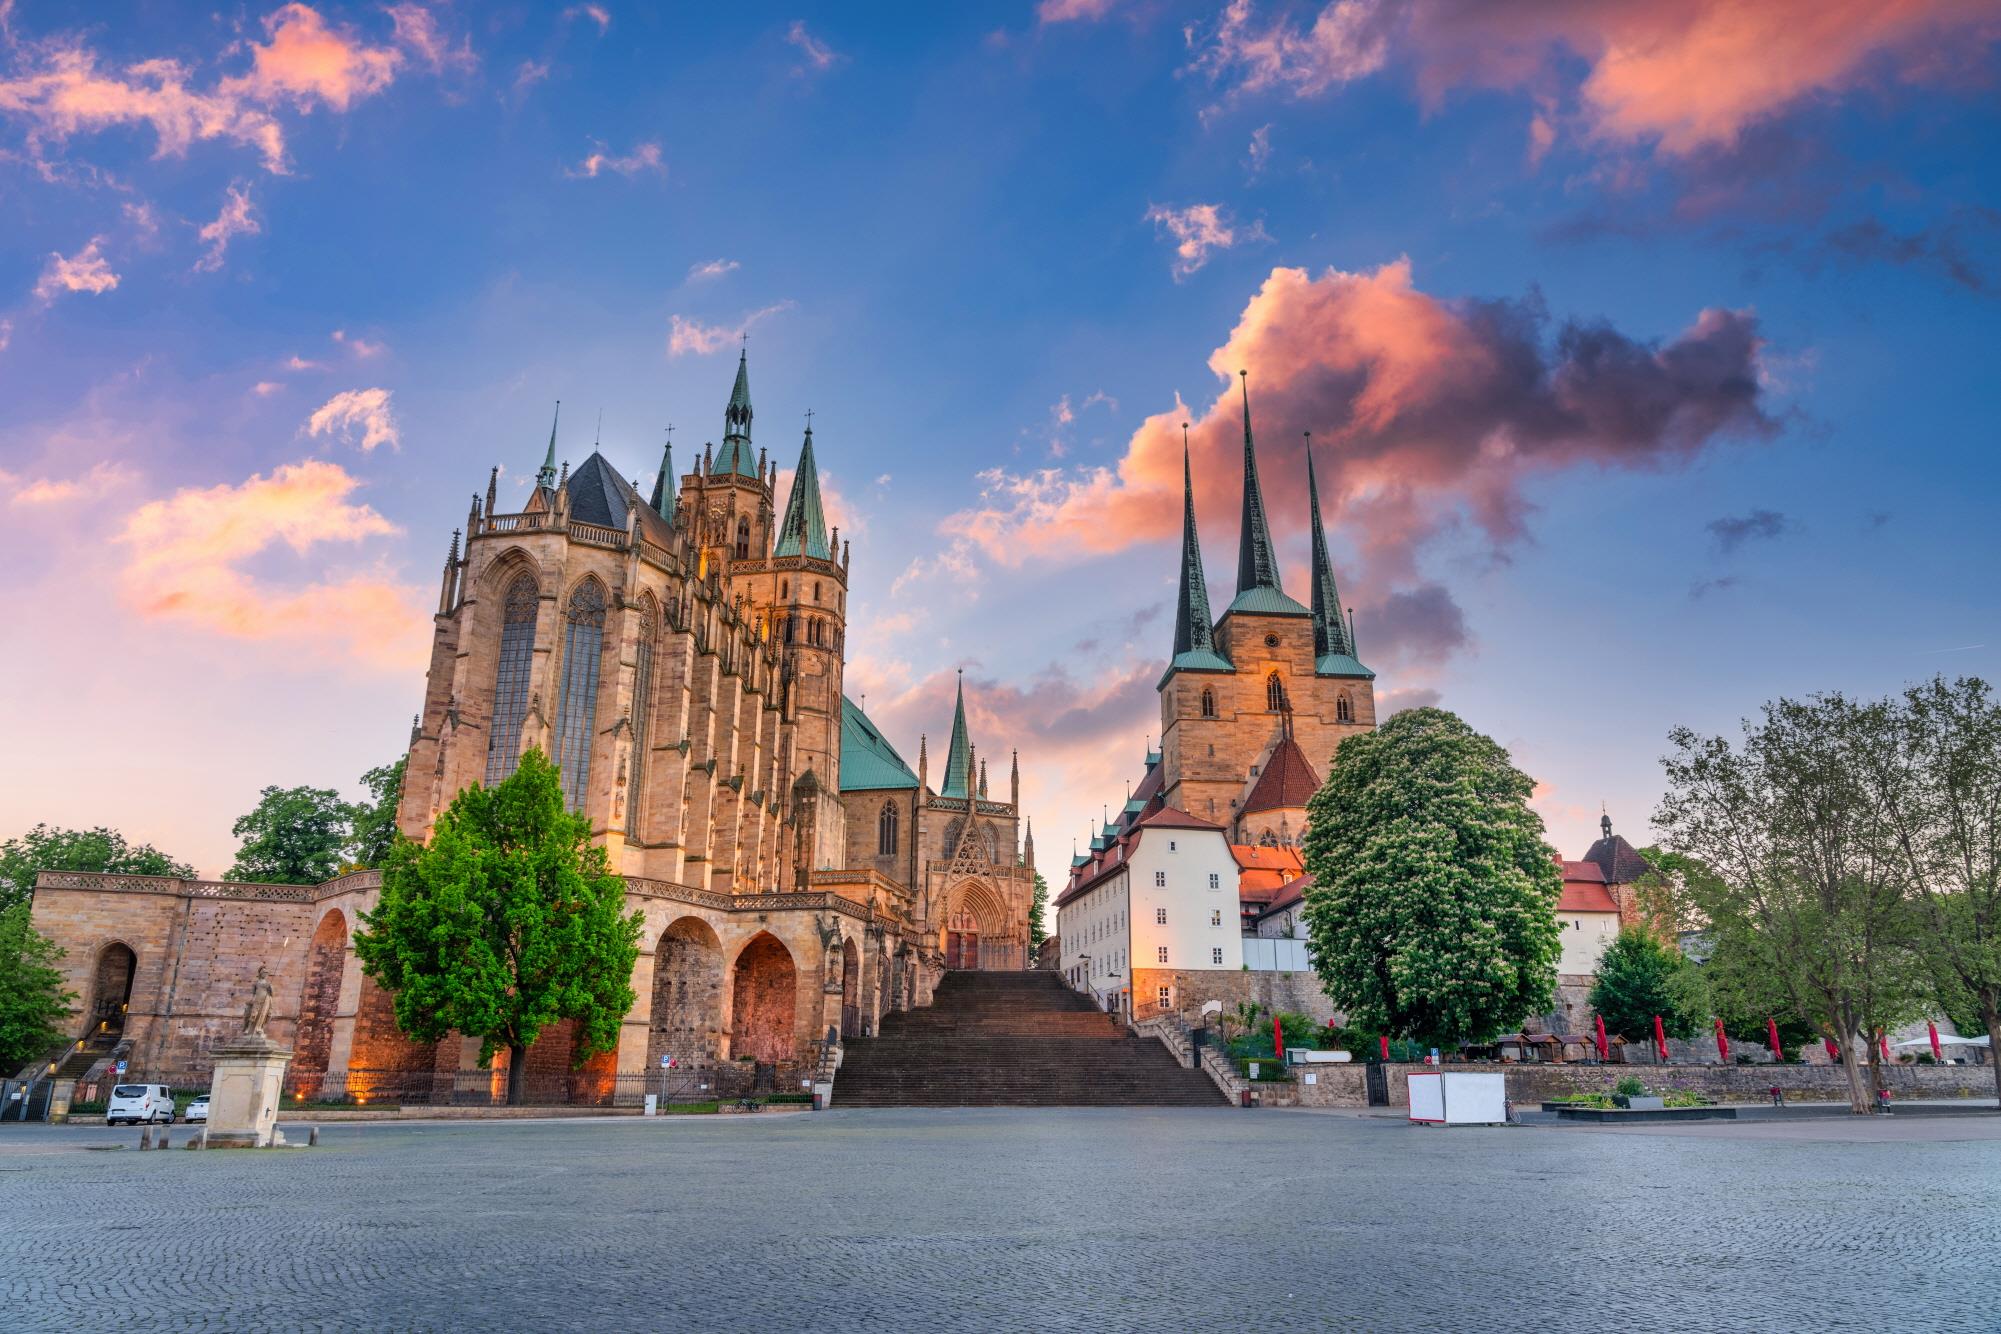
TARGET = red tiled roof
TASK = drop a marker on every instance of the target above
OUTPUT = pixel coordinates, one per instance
(1582, 871)
(1173, 817)
(1287, 780)
(1584, 896)
(1251, 855)
(1290, 893)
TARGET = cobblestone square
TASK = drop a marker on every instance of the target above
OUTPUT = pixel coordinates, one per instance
(1183, 1219)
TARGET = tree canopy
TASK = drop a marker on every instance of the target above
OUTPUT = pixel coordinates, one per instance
(1641, 976)
(373, 828)
(1432, 910)
(293, 836)
(49, 848)
(508, 920)
(1037, 906)
(33, 1003)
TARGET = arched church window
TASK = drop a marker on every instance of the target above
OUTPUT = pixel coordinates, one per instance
(1208, 702)
(1274, 693)
(885, 831)
(1344, 712)
(788, 629)
(510, 677)
(784, 589)
(743, 539)
(576, 715)
(1268, 839)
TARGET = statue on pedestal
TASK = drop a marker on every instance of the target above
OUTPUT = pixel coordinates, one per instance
(257, 1011)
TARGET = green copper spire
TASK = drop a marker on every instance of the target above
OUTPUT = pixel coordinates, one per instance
(735, 455)
(804, 532)
(547, 475)
(663, 485)
(959, 777)
(1333, 638)
(1258, 588)
(1194, 634)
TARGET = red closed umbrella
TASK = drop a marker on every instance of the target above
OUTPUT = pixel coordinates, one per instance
(1833, 1052)
(1660, 1039)
(1278, 1037)
(1384, 1040)
(1883, 1043)
(1604, 1048)
(1938, 1053)
(1722, 1043)
(1772, 1030)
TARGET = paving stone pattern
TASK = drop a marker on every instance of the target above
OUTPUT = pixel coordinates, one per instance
(1006, 1219)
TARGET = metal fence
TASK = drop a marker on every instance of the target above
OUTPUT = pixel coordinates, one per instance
(725, 1081)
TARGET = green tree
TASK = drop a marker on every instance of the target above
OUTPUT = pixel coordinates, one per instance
(508, 920)
(293, 836)
(1037, 906)
(374, 827)
(1640, 977)
(33, 1003)
(1799, 888)
(1432, 912)
(46, 848)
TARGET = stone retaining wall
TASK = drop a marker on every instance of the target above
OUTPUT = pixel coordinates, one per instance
(1534, 1083)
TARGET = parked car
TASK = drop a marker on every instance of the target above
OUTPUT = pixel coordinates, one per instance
(132, 1103)
(197, 1110)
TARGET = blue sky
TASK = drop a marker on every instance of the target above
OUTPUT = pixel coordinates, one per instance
(988, 246)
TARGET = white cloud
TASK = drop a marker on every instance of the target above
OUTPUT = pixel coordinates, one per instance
(1198, 230)
(686, 335)
(819, 56)
(715, 268)
(643, 158)
(351, 408)
(362, 348)
(236, 219)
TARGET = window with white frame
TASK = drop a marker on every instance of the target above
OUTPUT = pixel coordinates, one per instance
(1215, 917)
(1170, 845)
(1160, 917)
(1160, 880)
(1216, 955)
(1163, 953)
(1166, 996)
(1215, 880)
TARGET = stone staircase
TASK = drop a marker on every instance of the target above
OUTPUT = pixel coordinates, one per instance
(1013, 1040)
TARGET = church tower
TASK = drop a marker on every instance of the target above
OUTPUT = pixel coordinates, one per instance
(1268, 679)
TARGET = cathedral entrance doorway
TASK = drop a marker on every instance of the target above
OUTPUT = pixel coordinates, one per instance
(962, 940)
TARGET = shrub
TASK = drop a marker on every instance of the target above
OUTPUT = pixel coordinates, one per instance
(1630, 1086)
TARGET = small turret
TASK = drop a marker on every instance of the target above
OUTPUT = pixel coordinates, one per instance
(493, 490)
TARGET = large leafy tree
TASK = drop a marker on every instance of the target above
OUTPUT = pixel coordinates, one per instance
(33, 1003)
(47, 848)
(1801, 887)
(374, 827)
(1640, 977)
(1037, 906)
(506, 921)
(1433, 905)
(293, 836)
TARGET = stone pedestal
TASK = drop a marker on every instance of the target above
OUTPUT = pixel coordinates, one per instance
(243, 1100)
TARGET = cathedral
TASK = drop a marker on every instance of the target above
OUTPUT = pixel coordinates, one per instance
(679, 654)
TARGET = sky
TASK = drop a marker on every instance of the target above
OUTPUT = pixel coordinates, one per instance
(1647, 352)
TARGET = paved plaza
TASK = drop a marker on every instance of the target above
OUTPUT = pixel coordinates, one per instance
(1184, 1219)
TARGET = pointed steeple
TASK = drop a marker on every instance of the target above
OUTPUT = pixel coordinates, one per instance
(1194, 630)
(804, 532)
(736, 456)
(1330, 635)
(663, 485)
(959, 775)
(1257, 563)
(546, 475)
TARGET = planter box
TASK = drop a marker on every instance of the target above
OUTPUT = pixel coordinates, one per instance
(1644, 1116)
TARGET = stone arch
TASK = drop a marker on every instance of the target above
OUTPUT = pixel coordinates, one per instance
(326, 959)
(975, 933)
(687, 1009)
(764, 1000)
(851, 989)
(111, 986)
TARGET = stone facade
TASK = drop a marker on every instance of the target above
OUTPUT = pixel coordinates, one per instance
(681, 659)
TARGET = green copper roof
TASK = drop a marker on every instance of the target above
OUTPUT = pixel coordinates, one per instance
(735, 455)
(959, 776)
(1340, 664)
(663, 485)
(1330, 632)
(1194, 633)
(804, 532)
(546, 475)
(868, 762)
(1267, 602)
(1257, 562)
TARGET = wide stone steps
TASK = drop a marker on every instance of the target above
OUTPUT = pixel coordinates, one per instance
(1013, 1040)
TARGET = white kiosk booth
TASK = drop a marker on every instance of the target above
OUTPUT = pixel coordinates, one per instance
(1459, 1099)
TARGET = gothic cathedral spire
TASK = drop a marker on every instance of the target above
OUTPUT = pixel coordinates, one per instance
(959, 776)
(1194, 630)
(663, 485)
(1330, 633)
(804, 532)
(546, 476)
(1257, 563)
(736, 456)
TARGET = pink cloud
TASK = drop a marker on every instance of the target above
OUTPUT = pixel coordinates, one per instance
(643, 158)
(1073, 11)
(417, 30)
(351, 408)
(236, 219)
(819, 56)
(362, 348)
(306, 62)
(597, 14)
(85, 271)
(1425, 412)
(187, 552)
(101, 479)
(714, 268)
(1198, 231)
(1347, 40)
(685, 335)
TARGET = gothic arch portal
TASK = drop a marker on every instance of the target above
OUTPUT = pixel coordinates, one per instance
(687, 1011)
(326, 960)
(764, 1000)
(975, 933)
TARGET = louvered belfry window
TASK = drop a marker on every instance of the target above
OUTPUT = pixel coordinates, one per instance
(510, 678)
(576, 716)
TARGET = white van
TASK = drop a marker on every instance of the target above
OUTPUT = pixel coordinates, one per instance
(132, 1103)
